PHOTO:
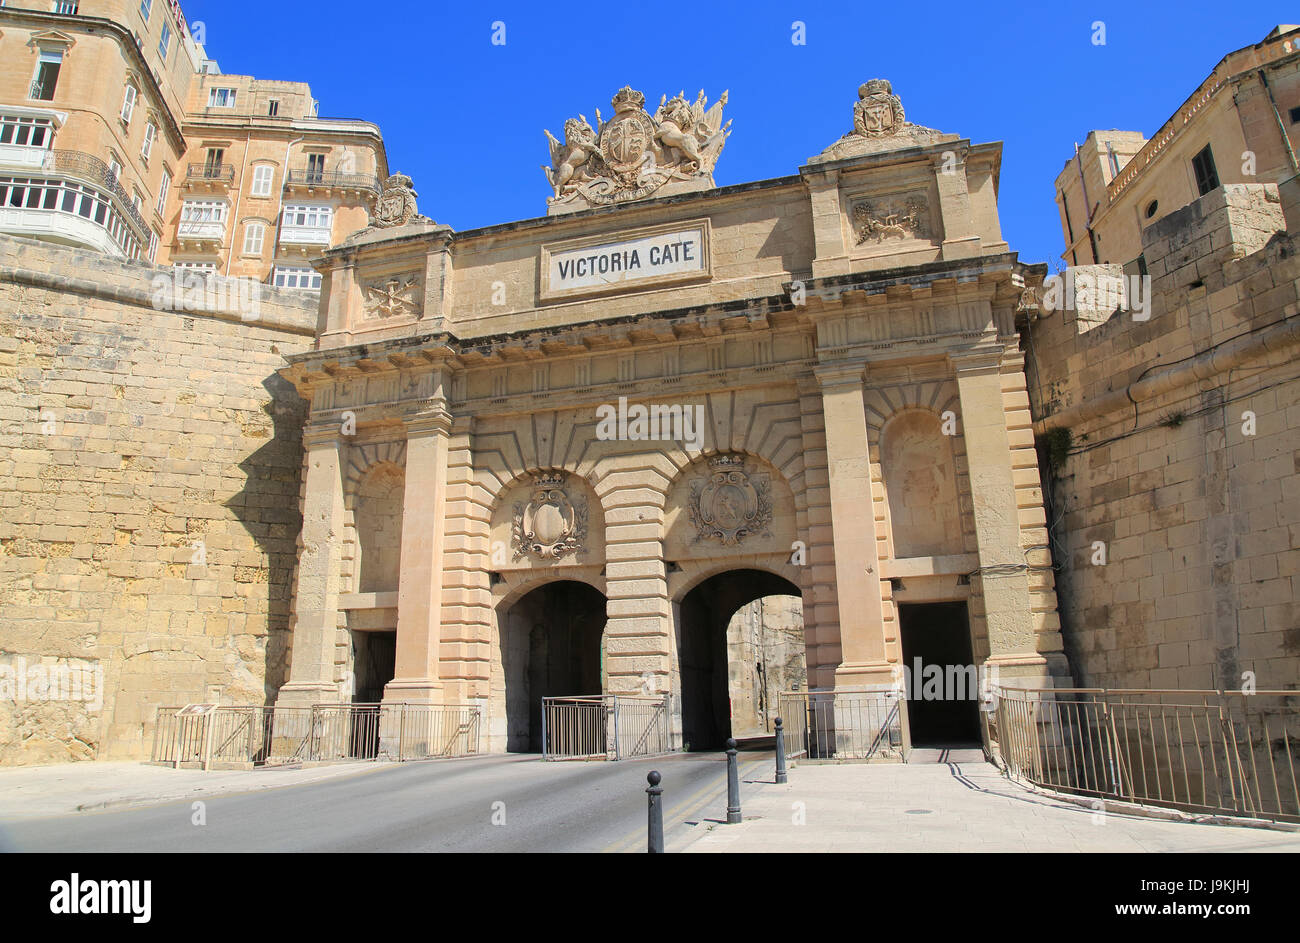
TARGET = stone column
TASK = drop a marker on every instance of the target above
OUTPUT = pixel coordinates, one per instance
(1004, 577)
(316, 593)
(863, 659)
(640, 619)
(419, 590)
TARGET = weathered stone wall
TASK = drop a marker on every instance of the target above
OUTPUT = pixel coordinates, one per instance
(765, 656)
(1175, 447)
(149, 479)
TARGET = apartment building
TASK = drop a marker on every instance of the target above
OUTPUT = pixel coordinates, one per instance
(1240, 126)
(119, 134)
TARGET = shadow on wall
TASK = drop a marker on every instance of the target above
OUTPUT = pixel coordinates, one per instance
(267, 506)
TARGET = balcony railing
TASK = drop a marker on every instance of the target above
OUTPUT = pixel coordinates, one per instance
(332, 180)
(217, 173)
(93, 170)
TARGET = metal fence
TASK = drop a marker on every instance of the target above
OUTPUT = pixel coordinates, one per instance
(844, 725)
(264, 736)
(606, 727)
(1223, 752)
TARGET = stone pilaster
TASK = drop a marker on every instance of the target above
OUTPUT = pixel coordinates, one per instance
(316, 596)
(420, 589)
(863, 659)
(1009, 599)
(960, 240)
(640, 618)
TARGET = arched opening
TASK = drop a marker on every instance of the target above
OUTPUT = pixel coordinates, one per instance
(739, 644)
(551, 646)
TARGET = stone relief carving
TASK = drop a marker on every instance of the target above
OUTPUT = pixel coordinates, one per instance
(396, 204)
(399, 296)
(731, 504)
(879, 123)
(550, 525)
(634, 154)
(891, 217)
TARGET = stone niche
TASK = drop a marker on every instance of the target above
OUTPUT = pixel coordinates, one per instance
(919, 474)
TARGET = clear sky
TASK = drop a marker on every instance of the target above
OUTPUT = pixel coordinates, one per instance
(464, 117)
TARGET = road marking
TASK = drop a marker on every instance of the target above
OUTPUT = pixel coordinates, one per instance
(638, 836)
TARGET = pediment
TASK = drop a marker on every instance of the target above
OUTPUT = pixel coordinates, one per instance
(51, 37)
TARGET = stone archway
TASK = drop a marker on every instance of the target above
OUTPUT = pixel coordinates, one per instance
(729, 669)
(551, 645)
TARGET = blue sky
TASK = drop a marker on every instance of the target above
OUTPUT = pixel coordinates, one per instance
(464, 117)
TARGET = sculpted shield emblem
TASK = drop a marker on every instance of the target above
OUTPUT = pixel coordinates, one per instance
(732, 504)
(625, 141)
(549, 526)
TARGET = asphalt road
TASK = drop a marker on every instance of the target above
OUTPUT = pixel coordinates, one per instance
(479, 804)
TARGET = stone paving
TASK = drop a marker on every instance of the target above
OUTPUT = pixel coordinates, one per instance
(959, 806)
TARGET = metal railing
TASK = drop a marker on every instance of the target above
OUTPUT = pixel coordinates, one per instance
(93, 170)
(844, 725)
(606, 727)
(264, 736)
(319, 178)
(1218, 752)
(225, 173)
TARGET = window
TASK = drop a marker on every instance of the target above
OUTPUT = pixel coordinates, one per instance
(302, 277)
(1295, 115)
(129, 96)
(26, 132)
(1152, 207)
(136, 200)
(146, 6)
(146, 148)
(309, 216)
(212, 163)
(263, 175)
(221, 97)
(114, 167)
(165, 41)
(1207, 177)
(74, 199)
(272, 108)
(315, 168)
(163, 189)
(1113, 159)
(68, 7)
(203, 211)
(47, 75)
(154, 239)
(201, 269)
(253, 235)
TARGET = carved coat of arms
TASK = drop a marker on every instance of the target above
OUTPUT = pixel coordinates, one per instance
(549, 525)
(635, 153)
(878, 110)
(731, 504)
(396, 204)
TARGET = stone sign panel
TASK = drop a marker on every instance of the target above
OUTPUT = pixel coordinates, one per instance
(645, 258)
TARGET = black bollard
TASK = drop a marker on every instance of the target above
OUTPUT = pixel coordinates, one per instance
(780, 752)
(655, 845)
(733, 785)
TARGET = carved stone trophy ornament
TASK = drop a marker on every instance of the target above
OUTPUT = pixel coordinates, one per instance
(550, 525)
(395, 297)
(731, 504)
(635, 154)
(902, 217)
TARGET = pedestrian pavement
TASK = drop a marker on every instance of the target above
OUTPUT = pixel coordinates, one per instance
(33, 792)
(961, 806)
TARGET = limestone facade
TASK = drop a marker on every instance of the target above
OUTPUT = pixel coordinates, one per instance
(846, 337)
(1241, 125)
(1173, 448)
(223, 174)
(149, 478)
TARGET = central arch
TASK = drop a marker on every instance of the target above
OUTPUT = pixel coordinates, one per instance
(552, 645)
(724, 692)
